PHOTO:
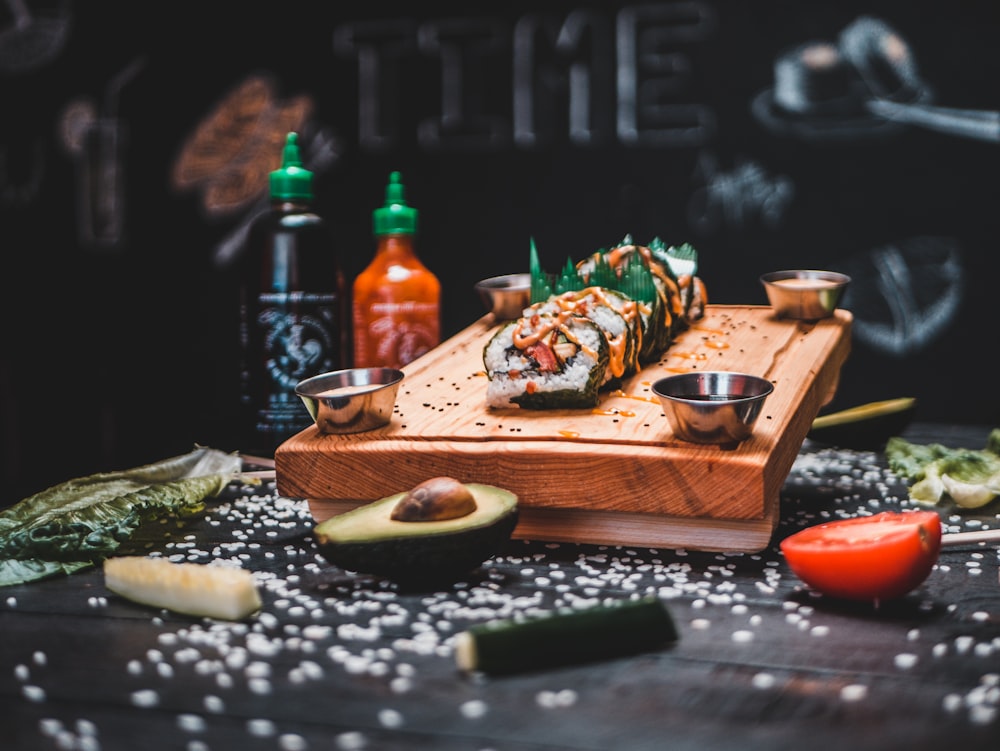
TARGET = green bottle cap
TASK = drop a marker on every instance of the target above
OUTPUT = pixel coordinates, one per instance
(292, 182)
(395, 217)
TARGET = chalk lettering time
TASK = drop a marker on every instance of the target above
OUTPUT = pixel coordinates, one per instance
(584, 77)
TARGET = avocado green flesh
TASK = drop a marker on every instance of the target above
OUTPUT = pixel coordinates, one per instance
(865, 426)
(366, 540)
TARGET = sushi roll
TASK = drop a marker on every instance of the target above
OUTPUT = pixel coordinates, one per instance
(615, 313)
(539, 361)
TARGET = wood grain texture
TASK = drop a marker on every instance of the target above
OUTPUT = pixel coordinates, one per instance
(614, 474)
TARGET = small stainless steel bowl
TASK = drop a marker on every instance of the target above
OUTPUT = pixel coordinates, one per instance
(505, 296)
(712, 406)
(352, 400)
(804, 294)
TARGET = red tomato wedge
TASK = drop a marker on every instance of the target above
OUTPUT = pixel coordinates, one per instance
(878, 557)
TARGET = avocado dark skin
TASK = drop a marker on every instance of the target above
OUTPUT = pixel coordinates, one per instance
(424, 552)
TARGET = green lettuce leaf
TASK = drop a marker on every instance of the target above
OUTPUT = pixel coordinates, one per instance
(969, 477)
(75, 524)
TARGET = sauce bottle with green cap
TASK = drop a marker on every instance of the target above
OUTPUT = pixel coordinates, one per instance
(293, 308)
(396, 300)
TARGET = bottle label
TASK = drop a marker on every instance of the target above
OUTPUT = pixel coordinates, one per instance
(393, 334)
(298, 334)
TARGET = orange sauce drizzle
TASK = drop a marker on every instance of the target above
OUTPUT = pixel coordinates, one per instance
(623, 395)
(613, 412)
(689, 355)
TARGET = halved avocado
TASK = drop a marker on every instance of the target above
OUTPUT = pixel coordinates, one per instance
(368, 540)
(867, 426)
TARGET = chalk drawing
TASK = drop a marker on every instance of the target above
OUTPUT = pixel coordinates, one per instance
(736, 198)
(378, 47)
(552, 55)
(866, 83)
(229, 155)
(96, 138)
(906, 294)
(462, 46)
(627, 77)
(36, 36)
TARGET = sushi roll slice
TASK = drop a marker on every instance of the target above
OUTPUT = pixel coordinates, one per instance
(682, 262)
(546, 362)
(615, 313)
(664, 305)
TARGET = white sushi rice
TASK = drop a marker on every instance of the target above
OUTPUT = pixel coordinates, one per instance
(510, 371)
(316, 623)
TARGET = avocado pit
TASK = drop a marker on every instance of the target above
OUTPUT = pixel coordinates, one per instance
(434, 500)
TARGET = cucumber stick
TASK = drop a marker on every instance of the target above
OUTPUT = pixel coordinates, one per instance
(565, 637)
(190, 588)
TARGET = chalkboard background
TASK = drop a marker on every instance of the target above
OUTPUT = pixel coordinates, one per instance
(135, 142)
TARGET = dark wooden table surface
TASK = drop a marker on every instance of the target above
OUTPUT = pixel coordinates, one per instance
(341, 661)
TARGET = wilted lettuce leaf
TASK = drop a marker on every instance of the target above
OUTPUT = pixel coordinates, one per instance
(71, 526)
(969, 477)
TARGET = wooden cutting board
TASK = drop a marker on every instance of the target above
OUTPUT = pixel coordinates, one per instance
(612, 475)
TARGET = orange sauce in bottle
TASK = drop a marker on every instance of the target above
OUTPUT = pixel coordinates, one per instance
(396, 300)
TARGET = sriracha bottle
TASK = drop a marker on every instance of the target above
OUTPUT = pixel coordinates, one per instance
(293, 306)
(396, 306)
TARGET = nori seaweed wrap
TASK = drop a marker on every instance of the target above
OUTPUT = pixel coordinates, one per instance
(546, 362)
(615, 313)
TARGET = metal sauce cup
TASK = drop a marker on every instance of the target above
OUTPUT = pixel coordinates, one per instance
(713, 407)
(804, 294)
(352, 400)
(505, 296)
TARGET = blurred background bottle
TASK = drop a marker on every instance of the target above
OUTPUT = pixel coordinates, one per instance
(396, 306)
(293, 308)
